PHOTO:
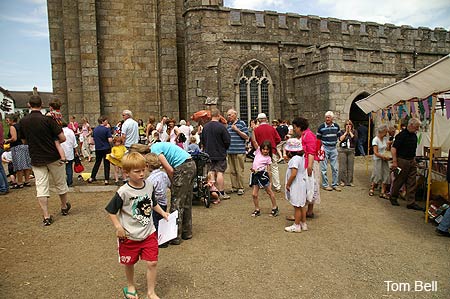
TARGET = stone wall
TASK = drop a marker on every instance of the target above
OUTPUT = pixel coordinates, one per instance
(316, 63)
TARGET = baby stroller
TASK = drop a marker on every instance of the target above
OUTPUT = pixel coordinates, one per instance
(201, 191)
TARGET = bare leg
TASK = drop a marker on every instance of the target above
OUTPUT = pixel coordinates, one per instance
(302, 212)
(255, 197)
(151, 280)
(129, 272)
(63, 198)
(298, 215)
(43, 202)
(310, 210)
(220, 181)
(27, 173)
(272, 197)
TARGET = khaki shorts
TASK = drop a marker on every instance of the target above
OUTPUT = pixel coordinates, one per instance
(42, 174)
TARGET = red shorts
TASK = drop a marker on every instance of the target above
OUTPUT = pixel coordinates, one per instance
(130, 251)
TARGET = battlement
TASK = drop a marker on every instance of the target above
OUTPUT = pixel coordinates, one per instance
(335, 29)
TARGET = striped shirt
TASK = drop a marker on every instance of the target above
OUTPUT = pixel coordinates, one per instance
(328, 134)
(237, 145)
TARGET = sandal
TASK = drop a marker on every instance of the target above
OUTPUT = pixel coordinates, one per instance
(127, 293)
(371, 192)
(275, 212)
(48, 221)
(256, 213)
(383, 195)
(65, 211)
(27, 184)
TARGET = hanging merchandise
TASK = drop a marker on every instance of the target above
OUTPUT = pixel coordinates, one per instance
(407, 108)
(447, 107)
(421, 108)
(400, 111)
(426, 107)
(417, 109)
(412, 107)
(389, 114)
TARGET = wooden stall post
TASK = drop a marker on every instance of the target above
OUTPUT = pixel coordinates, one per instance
(430, 163)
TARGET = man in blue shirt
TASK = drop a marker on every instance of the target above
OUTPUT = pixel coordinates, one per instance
(236, 152)
(328, 133)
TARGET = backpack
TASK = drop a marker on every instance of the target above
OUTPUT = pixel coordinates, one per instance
(320, 151)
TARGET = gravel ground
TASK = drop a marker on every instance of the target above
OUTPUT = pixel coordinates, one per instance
(353, 246)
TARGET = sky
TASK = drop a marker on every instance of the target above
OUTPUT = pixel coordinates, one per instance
(25, 49)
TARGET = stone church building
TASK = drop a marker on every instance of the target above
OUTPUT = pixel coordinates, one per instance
(175, 57)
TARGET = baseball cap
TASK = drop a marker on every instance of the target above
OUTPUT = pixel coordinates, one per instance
(262, 116)
(293, 145)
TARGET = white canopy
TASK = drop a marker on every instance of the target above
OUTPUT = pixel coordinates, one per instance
(433, 79)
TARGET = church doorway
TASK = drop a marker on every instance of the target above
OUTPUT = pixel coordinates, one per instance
(360, 120)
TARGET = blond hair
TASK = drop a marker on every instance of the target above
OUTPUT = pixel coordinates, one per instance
(152, 161)
(133, 161)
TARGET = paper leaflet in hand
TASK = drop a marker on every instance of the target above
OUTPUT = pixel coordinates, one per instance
(168, 230)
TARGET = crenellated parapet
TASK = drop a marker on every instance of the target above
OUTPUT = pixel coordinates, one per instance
(318, 29)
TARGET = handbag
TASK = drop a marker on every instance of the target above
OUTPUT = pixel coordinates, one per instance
(78, 167)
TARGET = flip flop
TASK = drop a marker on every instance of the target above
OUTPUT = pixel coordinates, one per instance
(126, 293)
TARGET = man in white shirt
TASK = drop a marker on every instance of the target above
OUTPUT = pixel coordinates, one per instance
(130, 129)
(161, 128)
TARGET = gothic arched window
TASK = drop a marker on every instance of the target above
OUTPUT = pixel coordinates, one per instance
(254, 91)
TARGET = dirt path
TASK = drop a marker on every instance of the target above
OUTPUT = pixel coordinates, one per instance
(353, 246)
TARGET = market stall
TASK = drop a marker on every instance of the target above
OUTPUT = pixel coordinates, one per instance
(420, 95)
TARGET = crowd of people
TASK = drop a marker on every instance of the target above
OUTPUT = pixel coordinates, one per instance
(148, 159)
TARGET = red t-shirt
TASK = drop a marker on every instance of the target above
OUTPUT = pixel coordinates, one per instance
(266, 132)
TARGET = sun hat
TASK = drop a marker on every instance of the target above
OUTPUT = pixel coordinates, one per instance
(262, 116)
(293, 145)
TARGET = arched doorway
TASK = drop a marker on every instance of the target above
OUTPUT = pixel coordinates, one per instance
(359, 118)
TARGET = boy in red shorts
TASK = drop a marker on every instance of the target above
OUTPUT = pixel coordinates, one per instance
(131, 214)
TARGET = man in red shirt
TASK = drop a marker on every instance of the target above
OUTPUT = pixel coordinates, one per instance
(266, 132)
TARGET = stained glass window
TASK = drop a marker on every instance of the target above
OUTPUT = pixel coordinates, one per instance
(254, 96)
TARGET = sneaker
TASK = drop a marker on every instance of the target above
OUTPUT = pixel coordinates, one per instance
(337, 188)
(293, 229)
(275, 212)
(416, 207)
(327, 188)
(65, 211)
(240, 192)
(278, 190)
(304, 226)
(224, 196)
(48, 221)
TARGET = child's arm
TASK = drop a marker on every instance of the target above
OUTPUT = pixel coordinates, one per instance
(291, 178)
(120, 232)
(161, 212)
